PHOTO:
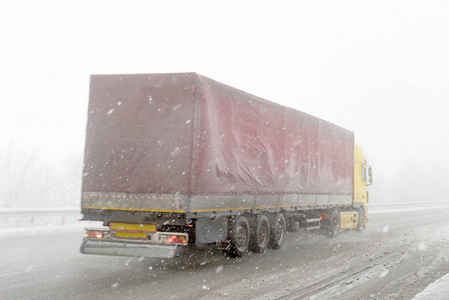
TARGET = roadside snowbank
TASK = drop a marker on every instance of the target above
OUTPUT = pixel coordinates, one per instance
(38, 230)
(439, 290)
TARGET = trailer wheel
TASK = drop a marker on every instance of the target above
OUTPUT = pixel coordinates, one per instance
(334, 224)
(278, 229)
(239, 235)
(260, 234)
(361, 221)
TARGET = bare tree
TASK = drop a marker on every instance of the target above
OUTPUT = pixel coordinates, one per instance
(28, 179)
(72, 177)
(16, 169)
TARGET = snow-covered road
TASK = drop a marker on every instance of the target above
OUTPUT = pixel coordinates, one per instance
(397, 257)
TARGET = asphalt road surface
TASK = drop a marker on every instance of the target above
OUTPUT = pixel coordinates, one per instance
(396, 257)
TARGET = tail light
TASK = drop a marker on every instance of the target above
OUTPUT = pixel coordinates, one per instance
(175, 239)
(96, 234)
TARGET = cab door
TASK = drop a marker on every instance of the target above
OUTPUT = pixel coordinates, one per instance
(362, 177)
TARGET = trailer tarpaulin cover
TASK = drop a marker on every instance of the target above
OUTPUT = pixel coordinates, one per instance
(187, 134)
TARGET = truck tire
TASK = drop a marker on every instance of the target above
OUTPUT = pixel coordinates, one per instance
(361, 222)
(278, 229)
(334, 223)
(260, 236)
(239, 235)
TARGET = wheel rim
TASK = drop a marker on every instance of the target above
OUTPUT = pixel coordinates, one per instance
(335, 224)
(242, 236)
(361, 219)
(262, 234)
(280, 231)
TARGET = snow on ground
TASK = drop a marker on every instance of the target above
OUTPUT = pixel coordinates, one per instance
(439, 290)
(398, 255)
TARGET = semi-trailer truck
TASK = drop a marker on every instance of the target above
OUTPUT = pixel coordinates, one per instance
(174, 161)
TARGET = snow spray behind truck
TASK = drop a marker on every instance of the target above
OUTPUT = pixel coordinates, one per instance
(176, 160)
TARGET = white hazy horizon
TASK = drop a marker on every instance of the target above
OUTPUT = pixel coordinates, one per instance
(379, 68)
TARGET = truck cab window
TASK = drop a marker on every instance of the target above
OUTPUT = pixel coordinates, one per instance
(364, 175)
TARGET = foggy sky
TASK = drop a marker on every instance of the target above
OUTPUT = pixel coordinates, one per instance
(378, 68)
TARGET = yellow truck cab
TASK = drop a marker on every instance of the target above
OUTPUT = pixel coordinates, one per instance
(358, 217)
(363, 176)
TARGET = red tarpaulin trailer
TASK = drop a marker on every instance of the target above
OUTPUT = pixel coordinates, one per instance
(185, 134)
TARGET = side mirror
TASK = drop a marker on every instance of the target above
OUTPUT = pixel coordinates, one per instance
(370, 173)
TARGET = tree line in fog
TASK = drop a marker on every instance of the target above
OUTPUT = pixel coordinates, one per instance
(29, 179)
